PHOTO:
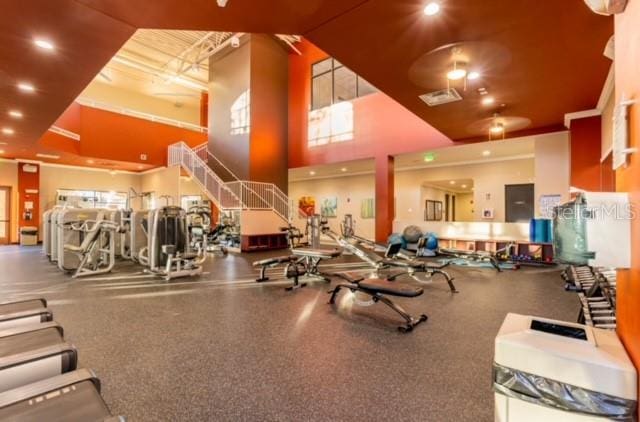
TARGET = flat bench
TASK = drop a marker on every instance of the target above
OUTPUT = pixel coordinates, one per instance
(379, 289)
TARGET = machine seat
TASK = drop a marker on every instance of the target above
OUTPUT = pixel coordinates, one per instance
(317, 253)
(274, 261)
(189, 255)
(378, 285)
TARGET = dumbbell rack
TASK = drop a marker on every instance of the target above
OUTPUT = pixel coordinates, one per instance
(596, 288)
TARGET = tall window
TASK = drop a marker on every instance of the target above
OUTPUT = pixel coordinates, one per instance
(331, 83)
(241, 114)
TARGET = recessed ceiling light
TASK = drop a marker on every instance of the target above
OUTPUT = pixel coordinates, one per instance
(312, 173)
(51, 156)
(1, 151)
(15, 114)
(140, 167)
(113, 172)
(488, 100)
(453, 182)
(8, 131)
(473, 75)
(486, 153)
(26, 87)
(44, 44)
(90, 161)
(431, 9)
(463, 186)
(343, 169)
(497, 128)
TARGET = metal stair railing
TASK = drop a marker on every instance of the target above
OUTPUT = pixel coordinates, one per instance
(237, 194)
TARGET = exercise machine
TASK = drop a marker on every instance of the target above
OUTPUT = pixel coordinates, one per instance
(413, 269)
(348, 232)
(379, 290)
(301, 262)
(24, 312)
(97, 252)
(168, 253)
(33, 353)
(70, 396)
(201, 232)
(294, 236)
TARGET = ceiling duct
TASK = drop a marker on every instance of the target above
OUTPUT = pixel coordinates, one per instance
(441, 97)
(607, 7)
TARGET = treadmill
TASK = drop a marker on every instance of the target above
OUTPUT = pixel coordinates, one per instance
(33, 353)
(74, 396)
(25, 312)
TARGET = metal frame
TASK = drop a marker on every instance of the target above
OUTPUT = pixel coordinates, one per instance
(333, 81)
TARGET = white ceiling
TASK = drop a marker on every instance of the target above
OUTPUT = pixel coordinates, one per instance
(455, 155)
(170, 65)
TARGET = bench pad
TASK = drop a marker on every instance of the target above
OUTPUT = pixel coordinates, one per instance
(317, 253)
(390, 288)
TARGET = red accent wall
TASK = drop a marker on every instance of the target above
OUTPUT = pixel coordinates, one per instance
(585, 138)
(381, 126)
(627, 69)
(607, 175)
(382, 129)
(28, 181)
(113, 136)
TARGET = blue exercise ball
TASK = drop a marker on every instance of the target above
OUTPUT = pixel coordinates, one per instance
(431, 241)
(397, 238)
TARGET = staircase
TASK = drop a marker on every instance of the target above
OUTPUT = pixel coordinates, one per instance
(228, 195)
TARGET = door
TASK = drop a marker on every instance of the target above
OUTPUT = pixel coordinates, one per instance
(518, 203)
(5, 214)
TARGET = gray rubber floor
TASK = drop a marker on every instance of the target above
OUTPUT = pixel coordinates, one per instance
(221, 347)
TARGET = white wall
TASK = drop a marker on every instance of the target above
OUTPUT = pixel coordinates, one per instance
(465, 207)
(489, 180)
(161, 182)
(160, 106)
(552, 167)
(607, 127)
(350, 191)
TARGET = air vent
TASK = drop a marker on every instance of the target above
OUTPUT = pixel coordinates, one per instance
(441, 97)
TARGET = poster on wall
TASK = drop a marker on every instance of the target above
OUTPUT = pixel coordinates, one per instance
(548, 203)
(306, 206)
(487, 213)
(329, 207)
(367, 208)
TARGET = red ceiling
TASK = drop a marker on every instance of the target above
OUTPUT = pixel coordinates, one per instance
(554, 50)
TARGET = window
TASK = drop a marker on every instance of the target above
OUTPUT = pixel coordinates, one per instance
(331, 124)
(92, 198)
(241, 114)
(331, 83)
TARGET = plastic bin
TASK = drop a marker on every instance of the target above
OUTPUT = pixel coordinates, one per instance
(28, 236)
(546, 370)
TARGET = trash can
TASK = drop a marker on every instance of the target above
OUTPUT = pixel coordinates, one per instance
(546, 370)
(28, 236)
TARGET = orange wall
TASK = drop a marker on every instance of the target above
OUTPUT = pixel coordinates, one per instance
(381, 126)
(585, 138)
(28, 181)
(627, 69)
(113, 136)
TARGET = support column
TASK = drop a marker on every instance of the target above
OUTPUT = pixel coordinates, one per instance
(385, 209)
(204, 109)
(585, 139)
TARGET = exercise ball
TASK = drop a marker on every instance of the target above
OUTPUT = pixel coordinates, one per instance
(431, 241)
(412, 234)
(397, 238)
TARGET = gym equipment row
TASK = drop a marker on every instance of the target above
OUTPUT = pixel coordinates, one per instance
(305, 261)
(87, 242)
(596, 288)
(39, 379)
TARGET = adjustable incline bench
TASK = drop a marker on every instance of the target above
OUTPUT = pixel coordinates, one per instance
(379, 289)
(303, 261)
(413, 267)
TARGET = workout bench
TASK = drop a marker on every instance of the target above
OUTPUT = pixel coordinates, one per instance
(379, 289)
